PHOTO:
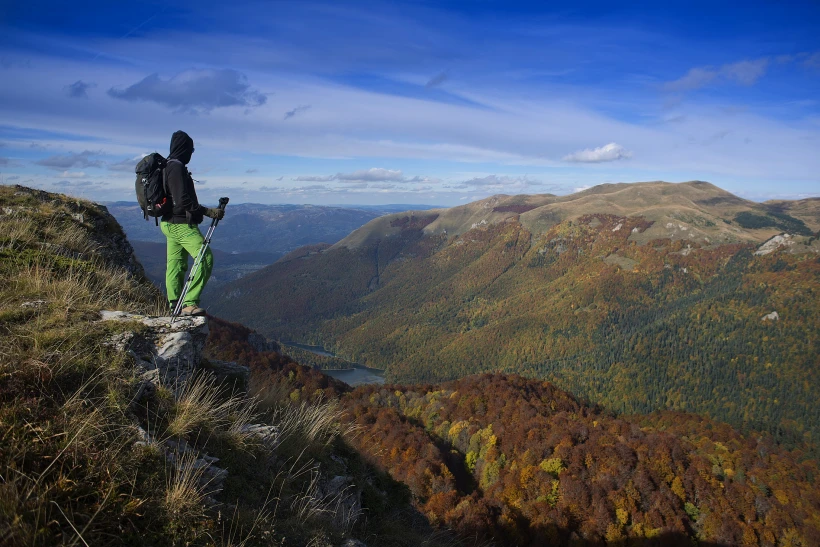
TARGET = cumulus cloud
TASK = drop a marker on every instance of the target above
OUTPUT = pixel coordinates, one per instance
(194, 91)
(71, 160)
(608, 152)
(79, 89)
(298, 110)
(743, 72)
(438, 79)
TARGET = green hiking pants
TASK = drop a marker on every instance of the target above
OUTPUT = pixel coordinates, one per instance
(185, 241)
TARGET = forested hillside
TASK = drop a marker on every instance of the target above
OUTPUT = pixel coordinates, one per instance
(525, 463)
(617, 309)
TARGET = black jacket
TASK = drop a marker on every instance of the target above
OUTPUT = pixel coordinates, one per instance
(180, 184)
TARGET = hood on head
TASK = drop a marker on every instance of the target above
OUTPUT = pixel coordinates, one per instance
(182, 147)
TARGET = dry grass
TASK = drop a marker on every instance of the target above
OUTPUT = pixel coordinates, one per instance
(70, 472)
(185, 491)
(201, 403)
(312, 426)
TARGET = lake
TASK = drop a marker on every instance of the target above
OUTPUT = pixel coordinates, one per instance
(356, 376)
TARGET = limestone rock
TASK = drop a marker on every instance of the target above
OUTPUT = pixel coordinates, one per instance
(775, 243)
(173, 349)
(774, 316)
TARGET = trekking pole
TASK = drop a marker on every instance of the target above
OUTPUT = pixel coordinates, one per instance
(197, 261)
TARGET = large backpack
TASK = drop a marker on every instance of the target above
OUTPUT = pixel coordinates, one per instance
(152, 194)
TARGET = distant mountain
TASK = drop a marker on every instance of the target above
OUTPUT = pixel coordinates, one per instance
(636, 296)
(227, 266)
(251, 236)
(252, 227)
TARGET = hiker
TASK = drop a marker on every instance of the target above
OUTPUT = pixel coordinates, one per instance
(180, 226)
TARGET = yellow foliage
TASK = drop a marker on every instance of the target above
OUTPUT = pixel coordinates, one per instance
(781, 497)
(614, 533)
(622, 515)
(677, 488)
(553, 466)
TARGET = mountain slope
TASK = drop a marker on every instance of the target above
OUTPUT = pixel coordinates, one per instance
(114, 430)
(636, 311)
(525, 463)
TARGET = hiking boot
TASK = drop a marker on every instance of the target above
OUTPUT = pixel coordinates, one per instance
(192, 310)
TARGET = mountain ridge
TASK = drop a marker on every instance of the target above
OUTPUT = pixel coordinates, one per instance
(610, 307)
(539, 212)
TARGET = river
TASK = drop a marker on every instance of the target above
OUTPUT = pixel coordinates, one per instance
(356, 376)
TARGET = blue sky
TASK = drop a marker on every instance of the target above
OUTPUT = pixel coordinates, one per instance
(411, 102)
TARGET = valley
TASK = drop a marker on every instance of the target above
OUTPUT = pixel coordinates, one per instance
(637, 297)
(253, 236)
(494, 458)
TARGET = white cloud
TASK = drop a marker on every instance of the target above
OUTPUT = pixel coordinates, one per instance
(608, 152)
(375, 174)
(70, 175)
(314, 178)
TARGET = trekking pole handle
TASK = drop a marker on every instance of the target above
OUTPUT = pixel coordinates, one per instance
(222, 203)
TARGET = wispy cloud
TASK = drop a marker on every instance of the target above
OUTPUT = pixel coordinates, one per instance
(251, 171)
(194, 91)
(315, 178)
(72, 175)
(71, 160)
(496, 183)
(298, 110)
(374, 174)
(742, 72)
(79, 89)
(608, 152)
(127, 165)
(438, 79)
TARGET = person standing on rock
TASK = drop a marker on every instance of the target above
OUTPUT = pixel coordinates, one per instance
(181, 229)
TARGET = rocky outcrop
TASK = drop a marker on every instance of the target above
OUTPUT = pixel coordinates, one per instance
(168, 351)
(775, 243)
(164, 351)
